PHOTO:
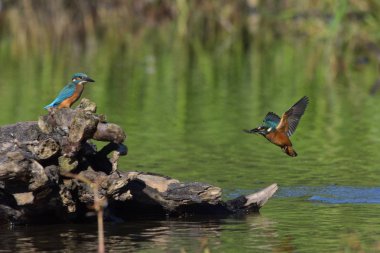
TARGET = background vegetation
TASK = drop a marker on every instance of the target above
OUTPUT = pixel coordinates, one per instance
(343, 33)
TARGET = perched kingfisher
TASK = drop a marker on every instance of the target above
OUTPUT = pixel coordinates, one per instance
(71, 92)
(278, 130)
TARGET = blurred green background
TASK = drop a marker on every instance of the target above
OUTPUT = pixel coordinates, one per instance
(183, 78)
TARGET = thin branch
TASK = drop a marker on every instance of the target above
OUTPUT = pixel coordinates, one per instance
(99, 205)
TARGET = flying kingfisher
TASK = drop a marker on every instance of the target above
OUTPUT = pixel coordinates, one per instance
(71, 92)
(278, 130)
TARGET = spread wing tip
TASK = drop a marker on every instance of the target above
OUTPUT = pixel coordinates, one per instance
(300, 106)
(304, 100)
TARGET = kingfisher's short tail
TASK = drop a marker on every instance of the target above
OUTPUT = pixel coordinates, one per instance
(289, 150)
(52, 104)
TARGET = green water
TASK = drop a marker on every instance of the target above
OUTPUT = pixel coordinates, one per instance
(184, 107)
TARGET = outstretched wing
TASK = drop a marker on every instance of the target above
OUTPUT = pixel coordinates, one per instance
(271, 120)
(66, 92)
(290, 118)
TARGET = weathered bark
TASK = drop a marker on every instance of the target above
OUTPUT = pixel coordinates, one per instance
(47, 169)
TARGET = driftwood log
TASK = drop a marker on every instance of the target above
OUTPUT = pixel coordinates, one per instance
(42, 164)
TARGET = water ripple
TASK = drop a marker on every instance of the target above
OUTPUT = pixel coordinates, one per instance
(334, 194)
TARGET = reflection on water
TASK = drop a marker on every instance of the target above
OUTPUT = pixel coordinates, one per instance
(255, 232)
(335, 194)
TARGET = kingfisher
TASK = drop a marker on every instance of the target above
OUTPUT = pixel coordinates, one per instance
(71, 92)
(278, 130)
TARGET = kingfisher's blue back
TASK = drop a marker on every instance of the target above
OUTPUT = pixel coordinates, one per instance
(65, 93)
(271, 120)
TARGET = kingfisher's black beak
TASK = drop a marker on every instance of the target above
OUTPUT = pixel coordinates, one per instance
(89, 80)
(257, 130)
(252, 131)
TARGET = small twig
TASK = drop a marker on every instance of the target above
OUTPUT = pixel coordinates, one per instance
(114, 160)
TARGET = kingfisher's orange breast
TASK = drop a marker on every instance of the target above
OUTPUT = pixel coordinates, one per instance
(278, 138)
(71, 100)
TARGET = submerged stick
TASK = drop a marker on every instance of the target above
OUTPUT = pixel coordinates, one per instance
(99, 205)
